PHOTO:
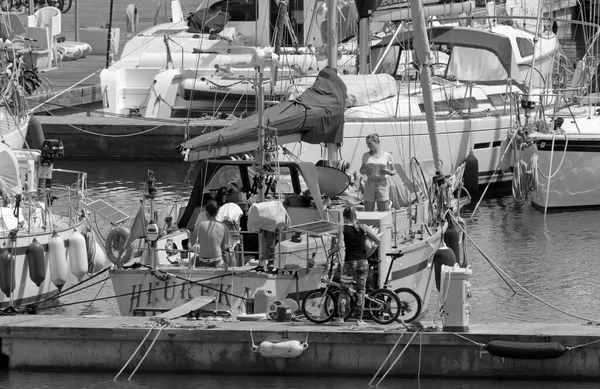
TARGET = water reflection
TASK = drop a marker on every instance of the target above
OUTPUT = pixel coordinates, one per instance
(75, 380)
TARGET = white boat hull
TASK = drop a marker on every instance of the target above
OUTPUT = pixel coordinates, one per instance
(146, 289)
(13, 128)
(570, 157)
(26, 291)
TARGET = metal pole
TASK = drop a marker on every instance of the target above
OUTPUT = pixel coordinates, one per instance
(109, 35)
(332, 52)
(76, 10)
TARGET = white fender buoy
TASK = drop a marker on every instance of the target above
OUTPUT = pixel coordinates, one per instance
(115, 240)
(78, 255)
(57, 258)
(99, 258)
(287, 349)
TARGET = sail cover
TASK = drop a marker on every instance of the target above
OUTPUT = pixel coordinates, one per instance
(317, 114)
(10, 182)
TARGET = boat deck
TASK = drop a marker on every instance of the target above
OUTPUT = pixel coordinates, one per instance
(98, 342)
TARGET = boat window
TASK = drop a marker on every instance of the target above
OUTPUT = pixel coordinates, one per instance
(223, 177)
(474, 65)
(238, 10)
(525, 47)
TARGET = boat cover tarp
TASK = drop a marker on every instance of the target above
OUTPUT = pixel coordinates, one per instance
(475, 38)
(207, 21)
(317, 114)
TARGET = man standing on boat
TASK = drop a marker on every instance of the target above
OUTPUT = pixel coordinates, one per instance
(211, 239)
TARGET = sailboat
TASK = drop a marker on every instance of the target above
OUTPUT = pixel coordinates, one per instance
(44, 233)
(285, 266)
(14, 111)
(172, 71)
(150, 284)
(557, 153)
(475, 105)
(312, 198)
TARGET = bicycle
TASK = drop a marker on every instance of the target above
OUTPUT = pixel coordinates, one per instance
(23, 5)
(320, 306)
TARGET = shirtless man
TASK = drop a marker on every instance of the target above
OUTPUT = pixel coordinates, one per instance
(211, 239)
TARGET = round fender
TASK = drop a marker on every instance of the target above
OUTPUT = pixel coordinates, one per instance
(115, 241)
(287, 349)
(525, 350)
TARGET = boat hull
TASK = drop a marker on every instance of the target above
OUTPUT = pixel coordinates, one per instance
(572, 166)
(26, 291)
(13, 128)
(142, 290)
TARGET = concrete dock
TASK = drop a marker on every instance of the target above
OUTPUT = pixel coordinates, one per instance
(106, 343)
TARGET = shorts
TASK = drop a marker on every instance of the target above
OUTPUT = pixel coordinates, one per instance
(376, 189)
(211, 262)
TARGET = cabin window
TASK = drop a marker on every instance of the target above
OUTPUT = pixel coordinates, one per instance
(525, 47)
(223, 177)
(238, 10)
(475, 65)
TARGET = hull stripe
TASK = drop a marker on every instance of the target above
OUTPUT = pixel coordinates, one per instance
(409, 271)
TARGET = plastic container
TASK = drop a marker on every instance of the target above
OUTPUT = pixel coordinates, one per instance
(262, 300)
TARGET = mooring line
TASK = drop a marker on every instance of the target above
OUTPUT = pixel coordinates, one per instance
(134, 353)
(147, 351)
(388, 357)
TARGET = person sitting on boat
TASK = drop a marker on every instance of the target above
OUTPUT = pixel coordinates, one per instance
(212, 237)
(377, 165)
(356, 265)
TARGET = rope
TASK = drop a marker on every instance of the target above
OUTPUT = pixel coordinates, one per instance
(135, 352)
(508, 147)
(147, 351)
(388, 357)
(503, 274)
(97, 294)
(105, 135)
(398, 357)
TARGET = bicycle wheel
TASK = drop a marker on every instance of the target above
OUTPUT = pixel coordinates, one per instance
(66, 6)
(382, 305)
(347, 300)
(319, 306)
(410, 305)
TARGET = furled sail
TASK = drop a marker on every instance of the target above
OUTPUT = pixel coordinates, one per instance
(316, 116)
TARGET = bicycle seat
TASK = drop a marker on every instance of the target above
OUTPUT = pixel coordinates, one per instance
(395, 255)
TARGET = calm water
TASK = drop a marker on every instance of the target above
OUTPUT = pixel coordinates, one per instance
(552, 258)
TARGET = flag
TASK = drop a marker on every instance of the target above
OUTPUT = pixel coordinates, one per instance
(137, 230)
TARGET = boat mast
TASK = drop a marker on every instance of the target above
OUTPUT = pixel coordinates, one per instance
(421, 47)
(109, 34)
(332, 52)
(364, 35)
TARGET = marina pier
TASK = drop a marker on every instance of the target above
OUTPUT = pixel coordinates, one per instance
(106, 343)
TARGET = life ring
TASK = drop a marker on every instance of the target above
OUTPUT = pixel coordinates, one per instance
(115, 240)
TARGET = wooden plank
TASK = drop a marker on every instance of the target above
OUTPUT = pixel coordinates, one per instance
(184, 309)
